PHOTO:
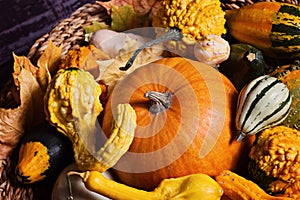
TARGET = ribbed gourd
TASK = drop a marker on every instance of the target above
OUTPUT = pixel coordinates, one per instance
(272, 27)
(185, 112)
(262, 103)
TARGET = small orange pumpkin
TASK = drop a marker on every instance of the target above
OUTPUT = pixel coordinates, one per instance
(185, 111)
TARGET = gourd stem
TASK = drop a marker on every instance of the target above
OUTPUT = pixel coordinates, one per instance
(240, 136)
(173, 34)
(70, 196)
(159, 101)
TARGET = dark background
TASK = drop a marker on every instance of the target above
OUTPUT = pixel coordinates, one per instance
(22, 22)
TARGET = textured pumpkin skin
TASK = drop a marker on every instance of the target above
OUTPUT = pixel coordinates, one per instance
(225, 154)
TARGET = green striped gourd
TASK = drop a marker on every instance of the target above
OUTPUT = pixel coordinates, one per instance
(290, 75)
(272, 27)
(262, 103)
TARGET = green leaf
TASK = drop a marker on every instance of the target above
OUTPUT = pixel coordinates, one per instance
(95, 26)
(125, 18)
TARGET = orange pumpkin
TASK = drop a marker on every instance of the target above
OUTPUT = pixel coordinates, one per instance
(193, 132)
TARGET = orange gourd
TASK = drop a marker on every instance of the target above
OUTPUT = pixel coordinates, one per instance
(191, 133)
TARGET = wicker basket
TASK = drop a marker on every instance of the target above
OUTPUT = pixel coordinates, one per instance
(70, 34)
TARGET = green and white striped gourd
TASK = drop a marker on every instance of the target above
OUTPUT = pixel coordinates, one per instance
(262, 103)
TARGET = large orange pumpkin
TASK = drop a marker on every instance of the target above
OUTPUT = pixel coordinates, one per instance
(192, 133)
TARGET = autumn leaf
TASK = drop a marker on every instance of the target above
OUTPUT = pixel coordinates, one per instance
(108, 4)
(95, 26)
(144, 6)
(22, 62)
(110, 72)
(48, 64)
(141, 7)
(125, 15)
(14, 122)
(124, 18)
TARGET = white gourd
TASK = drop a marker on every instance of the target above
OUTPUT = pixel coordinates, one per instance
(212, 50)
(262, 103)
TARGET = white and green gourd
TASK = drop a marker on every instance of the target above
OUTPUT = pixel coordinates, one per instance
(262, 103)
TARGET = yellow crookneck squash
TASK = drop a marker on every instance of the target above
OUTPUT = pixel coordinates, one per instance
(185, 124)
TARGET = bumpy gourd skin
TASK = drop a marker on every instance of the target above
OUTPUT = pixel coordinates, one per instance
(195, 19)
(275, 161)
(72, 105)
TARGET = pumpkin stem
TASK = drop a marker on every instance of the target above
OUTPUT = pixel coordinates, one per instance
(159, 101)
(173, 34)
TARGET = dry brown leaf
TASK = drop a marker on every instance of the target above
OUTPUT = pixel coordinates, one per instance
(144, 6)
(48, 64)
(91, 65)
(14, 122)
(21, 62)
(110, 72)
(139, 6)
(108, 4)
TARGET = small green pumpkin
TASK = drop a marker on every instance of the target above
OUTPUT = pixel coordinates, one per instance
(244, 64)
(44, 153)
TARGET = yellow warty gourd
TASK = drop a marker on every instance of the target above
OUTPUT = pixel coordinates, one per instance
(195, 19)
(72, 105)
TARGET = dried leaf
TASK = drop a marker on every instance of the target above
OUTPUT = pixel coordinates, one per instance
(22, 62)
(111, 73)
(91, 64)
(48, 64)
(139, 6)
(125, 15)
(144, 6)
(14, 122)
(125, 18)
(108, 4)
